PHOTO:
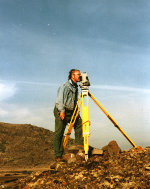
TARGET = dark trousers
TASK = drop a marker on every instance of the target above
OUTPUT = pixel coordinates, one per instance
(60, 126)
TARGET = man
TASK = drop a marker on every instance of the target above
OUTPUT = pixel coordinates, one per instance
(67, 96)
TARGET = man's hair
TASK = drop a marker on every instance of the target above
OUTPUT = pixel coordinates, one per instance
(71, 72)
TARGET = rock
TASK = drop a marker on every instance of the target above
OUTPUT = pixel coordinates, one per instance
(59, 166)
(147, 167)
(128, 185)
(136, 149)
(112, 148)
(80, 155)
(72, 160)
(66, 157)
(79, 176)
(96, 151)
(53, 165)
(75, 148)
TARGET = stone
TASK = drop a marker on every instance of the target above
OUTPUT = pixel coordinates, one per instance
(75, 148)
(147, 167)
(96, 151)
(53, 165)
(112, 148)
(66, 157)
(59, 166)
(80, 155)
(136, 149)
(72, 160)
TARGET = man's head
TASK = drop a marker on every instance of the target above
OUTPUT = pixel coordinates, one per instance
(74, 75)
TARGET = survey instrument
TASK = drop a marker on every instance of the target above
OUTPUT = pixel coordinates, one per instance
(83, 100)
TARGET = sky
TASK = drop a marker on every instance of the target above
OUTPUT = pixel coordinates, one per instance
(41, 40)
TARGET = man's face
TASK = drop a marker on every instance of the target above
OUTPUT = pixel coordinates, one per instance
(76, 76)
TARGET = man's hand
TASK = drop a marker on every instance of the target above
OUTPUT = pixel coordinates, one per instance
(62, 115)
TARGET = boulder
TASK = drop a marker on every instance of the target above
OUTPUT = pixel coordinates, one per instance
(112, 148)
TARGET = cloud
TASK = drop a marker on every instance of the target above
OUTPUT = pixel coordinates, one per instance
(3, 112)
(40, 116)
(7, 90)
(36, 83)
(120, 88)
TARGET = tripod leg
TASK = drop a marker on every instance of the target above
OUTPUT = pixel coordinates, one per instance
(85, 124)
(111, 119)
(72, 122)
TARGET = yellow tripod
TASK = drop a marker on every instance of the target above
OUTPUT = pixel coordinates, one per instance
(85, 120)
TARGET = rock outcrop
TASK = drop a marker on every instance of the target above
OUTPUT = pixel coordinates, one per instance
(114, 169)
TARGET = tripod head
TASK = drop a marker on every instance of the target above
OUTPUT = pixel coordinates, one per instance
(84, 81)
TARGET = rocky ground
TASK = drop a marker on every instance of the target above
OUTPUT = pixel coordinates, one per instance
(27, 161)
(111, 169)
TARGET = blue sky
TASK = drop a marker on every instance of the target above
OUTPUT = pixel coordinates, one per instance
(41, 40)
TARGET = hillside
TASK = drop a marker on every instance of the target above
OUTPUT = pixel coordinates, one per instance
(24, 145)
